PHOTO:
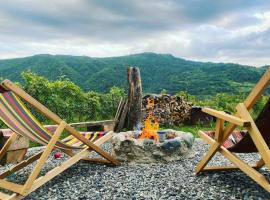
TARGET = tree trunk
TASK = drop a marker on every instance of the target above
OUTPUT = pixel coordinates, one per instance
(134, 105)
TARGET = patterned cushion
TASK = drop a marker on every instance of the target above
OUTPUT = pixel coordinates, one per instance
(233, 139)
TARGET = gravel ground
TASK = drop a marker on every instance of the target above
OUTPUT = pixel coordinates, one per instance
(175, 180)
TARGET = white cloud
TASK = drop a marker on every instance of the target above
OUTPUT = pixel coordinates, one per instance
(220, 31)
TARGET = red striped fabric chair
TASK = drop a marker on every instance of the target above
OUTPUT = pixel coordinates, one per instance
(15, 114)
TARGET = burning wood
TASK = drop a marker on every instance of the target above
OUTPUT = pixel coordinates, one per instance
(151, 124)
(168, 110)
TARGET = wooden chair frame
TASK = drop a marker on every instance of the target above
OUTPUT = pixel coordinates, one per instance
(244, 119)
(33, 182)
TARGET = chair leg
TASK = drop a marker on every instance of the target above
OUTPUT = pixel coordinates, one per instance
(224, 168)
(255, 134)
(28, 184)
(252, 173)
(20, 165)
(223, 135)
(211, 152)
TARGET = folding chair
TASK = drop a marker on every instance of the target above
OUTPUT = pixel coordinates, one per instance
(256, 139)
(20, 120)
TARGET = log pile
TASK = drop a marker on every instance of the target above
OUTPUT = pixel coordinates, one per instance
(169, 110)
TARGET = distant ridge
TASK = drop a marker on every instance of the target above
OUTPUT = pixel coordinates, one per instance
(159, 71)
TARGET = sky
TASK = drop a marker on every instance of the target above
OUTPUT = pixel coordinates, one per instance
(235, 31)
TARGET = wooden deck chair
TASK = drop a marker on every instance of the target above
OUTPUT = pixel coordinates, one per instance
(18, 118)
(257, 138)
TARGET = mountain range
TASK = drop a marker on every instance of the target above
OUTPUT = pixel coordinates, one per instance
(158, 72)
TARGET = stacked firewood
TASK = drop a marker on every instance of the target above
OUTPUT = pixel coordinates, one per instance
(168, 110)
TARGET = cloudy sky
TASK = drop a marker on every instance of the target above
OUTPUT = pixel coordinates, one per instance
(207, 30)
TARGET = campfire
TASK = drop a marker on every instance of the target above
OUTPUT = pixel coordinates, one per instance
(152, 145)
(149, 144)
(151, 124)
(146, 143)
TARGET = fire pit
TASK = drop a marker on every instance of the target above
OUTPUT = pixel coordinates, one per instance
(171, 146)
(150, 145)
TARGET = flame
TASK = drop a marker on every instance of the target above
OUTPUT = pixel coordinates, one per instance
(151, 124)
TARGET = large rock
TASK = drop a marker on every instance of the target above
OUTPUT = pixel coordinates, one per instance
(129, 149)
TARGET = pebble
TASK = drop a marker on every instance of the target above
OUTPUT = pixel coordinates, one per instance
(164, 181)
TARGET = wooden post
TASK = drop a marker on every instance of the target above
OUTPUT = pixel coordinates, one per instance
(134, 105)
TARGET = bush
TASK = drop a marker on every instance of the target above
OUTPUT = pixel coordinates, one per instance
(69, 101)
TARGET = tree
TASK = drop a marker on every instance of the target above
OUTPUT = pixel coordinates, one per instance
(69, 101)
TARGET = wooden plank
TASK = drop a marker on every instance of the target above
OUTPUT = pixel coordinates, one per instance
(214, 148)
(122, 117)
(15, 197)
(97, 160)
(54, 172)
(104, 154)
(255, 134)
(258, 90)
(217, 168)
(4, 196)
(219, 129)
(20, 165)
(68, 152)
(255, 175)
(211, 152)
(91, 123)
(10, 140)
(230, 118)
(16, 156)
(28, 184)
(19, 143)
(11, 186)
(223, 168)
(118, 111)
(252, 173)
(65, 165)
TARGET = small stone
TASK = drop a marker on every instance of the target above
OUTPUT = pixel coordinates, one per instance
(188, 139)
(171, 144)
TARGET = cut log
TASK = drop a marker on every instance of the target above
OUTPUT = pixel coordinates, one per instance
(134, 98)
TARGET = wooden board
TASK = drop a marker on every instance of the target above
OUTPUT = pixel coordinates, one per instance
(15, 156)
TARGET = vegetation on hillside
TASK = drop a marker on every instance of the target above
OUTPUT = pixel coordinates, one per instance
(73, 104)
(159, 72)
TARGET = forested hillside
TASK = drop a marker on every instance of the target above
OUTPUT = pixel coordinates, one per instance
(159, 72)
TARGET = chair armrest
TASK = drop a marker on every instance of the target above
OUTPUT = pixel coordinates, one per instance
(227, 117)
